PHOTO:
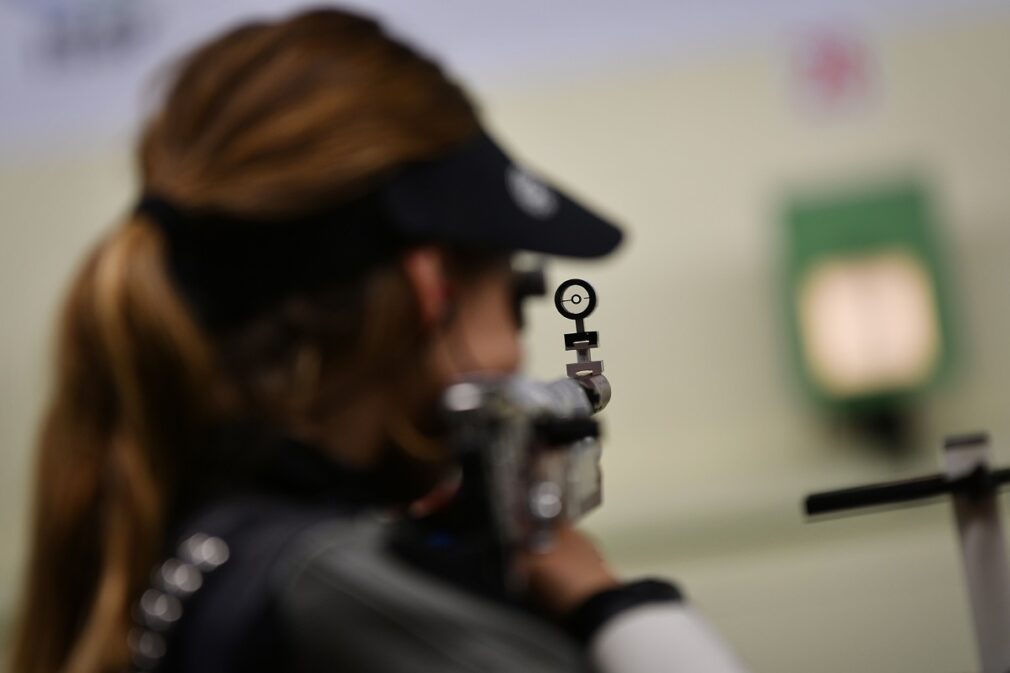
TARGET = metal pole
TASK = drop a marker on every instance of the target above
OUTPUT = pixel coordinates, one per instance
(983, 553)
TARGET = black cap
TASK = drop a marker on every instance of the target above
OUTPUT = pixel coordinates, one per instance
(229, 267)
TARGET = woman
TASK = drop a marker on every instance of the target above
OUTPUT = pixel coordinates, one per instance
(248, 368)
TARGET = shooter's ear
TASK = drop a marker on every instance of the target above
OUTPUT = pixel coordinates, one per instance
(425, 269)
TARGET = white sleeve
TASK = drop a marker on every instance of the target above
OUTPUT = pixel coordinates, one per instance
(661, 638)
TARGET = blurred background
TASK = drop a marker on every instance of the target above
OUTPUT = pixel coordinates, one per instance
(814, 292)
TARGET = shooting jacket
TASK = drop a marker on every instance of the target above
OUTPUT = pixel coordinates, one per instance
(310, 586)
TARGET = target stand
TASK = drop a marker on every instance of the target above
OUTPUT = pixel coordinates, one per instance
(974, 487)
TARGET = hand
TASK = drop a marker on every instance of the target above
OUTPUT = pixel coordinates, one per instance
(572, 571)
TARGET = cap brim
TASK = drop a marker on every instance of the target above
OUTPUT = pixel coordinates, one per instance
(477, 196)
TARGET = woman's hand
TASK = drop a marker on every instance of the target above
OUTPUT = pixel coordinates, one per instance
(559, 579)
(569, 573)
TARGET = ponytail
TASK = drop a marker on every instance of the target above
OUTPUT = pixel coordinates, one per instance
(132, 383)
(273, 120)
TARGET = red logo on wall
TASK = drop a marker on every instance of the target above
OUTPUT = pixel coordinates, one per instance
(834, 71)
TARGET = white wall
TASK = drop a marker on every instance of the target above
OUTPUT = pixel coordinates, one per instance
(710, 448)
